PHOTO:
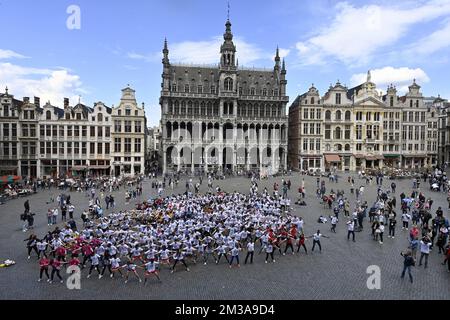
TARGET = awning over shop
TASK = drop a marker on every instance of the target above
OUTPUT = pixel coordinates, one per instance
(358, 156)
(9, 179)
(391, 155)
(371, 158)
(99, 167)
(415, 156)
(79, 168)
(6, 168)
(332, 158)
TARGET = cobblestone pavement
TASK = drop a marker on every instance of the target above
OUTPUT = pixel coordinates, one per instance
(338, 273)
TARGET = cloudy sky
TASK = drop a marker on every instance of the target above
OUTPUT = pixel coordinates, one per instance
(120, 43)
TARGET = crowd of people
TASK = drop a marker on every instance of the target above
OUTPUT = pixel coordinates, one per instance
(194, 228)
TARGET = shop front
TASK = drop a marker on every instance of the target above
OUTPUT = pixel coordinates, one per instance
(333, 162)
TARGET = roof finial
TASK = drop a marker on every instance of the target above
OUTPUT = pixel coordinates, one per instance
(6, 90)
(79, 99)
(369, 76)
(228, 11)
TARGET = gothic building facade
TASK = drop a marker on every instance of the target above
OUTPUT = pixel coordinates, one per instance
(223, 117)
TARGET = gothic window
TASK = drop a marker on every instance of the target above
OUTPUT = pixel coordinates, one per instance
(337, 133)
(252, 91)
(228, 84)
(338, 115)
(264, 92)
(328, 115)
(348, 115)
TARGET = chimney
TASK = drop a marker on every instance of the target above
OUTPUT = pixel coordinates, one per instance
(37, 101)
(66, 102)
(26, 100)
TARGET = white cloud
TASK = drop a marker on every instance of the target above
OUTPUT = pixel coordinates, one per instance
(433, 42)
(207, 52)
(357, 33)
(48, 84)
(7, 54)
(400, 77)
(282, 52)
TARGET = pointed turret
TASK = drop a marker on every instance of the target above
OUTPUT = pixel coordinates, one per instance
(166, 67)
(277, 60)
(228, 49)
(165, 53)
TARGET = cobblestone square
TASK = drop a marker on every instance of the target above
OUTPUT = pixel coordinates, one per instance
(339, 272)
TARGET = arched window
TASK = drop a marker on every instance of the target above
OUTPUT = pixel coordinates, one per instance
(337, 133)
(348, 115)
(312, 100)
(228, 84)
(338, 115)
(328, 115)
(100, 117)
(347, 147)
(338, 147)
(48, 115)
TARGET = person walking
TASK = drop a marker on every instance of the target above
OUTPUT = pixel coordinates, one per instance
(55, 215)
(392, 223)
(351, 230)
(425, 245)
(408, 262)
(380, 234)
(334, 221)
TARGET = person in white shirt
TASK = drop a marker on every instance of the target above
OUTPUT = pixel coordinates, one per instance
(131, 268)
(250, 251)
(95, 261)
(334, 221)
(351, 229)
(316, 240)
(55, 215)
(425, 245)
(235, 256)
(150, 270)
(381, 228)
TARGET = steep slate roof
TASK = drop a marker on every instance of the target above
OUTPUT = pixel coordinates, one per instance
(353, 91)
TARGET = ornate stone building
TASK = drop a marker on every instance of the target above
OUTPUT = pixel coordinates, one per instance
(128, 135)
(223, 117)
(358, 128)
(78, 140)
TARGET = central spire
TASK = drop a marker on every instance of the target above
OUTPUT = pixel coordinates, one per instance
(228, 49)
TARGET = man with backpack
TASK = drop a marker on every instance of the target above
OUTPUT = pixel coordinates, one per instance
(408, 262)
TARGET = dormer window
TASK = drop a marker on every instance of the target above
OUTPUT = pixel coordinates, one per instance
(127, 112)
(48, 115)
